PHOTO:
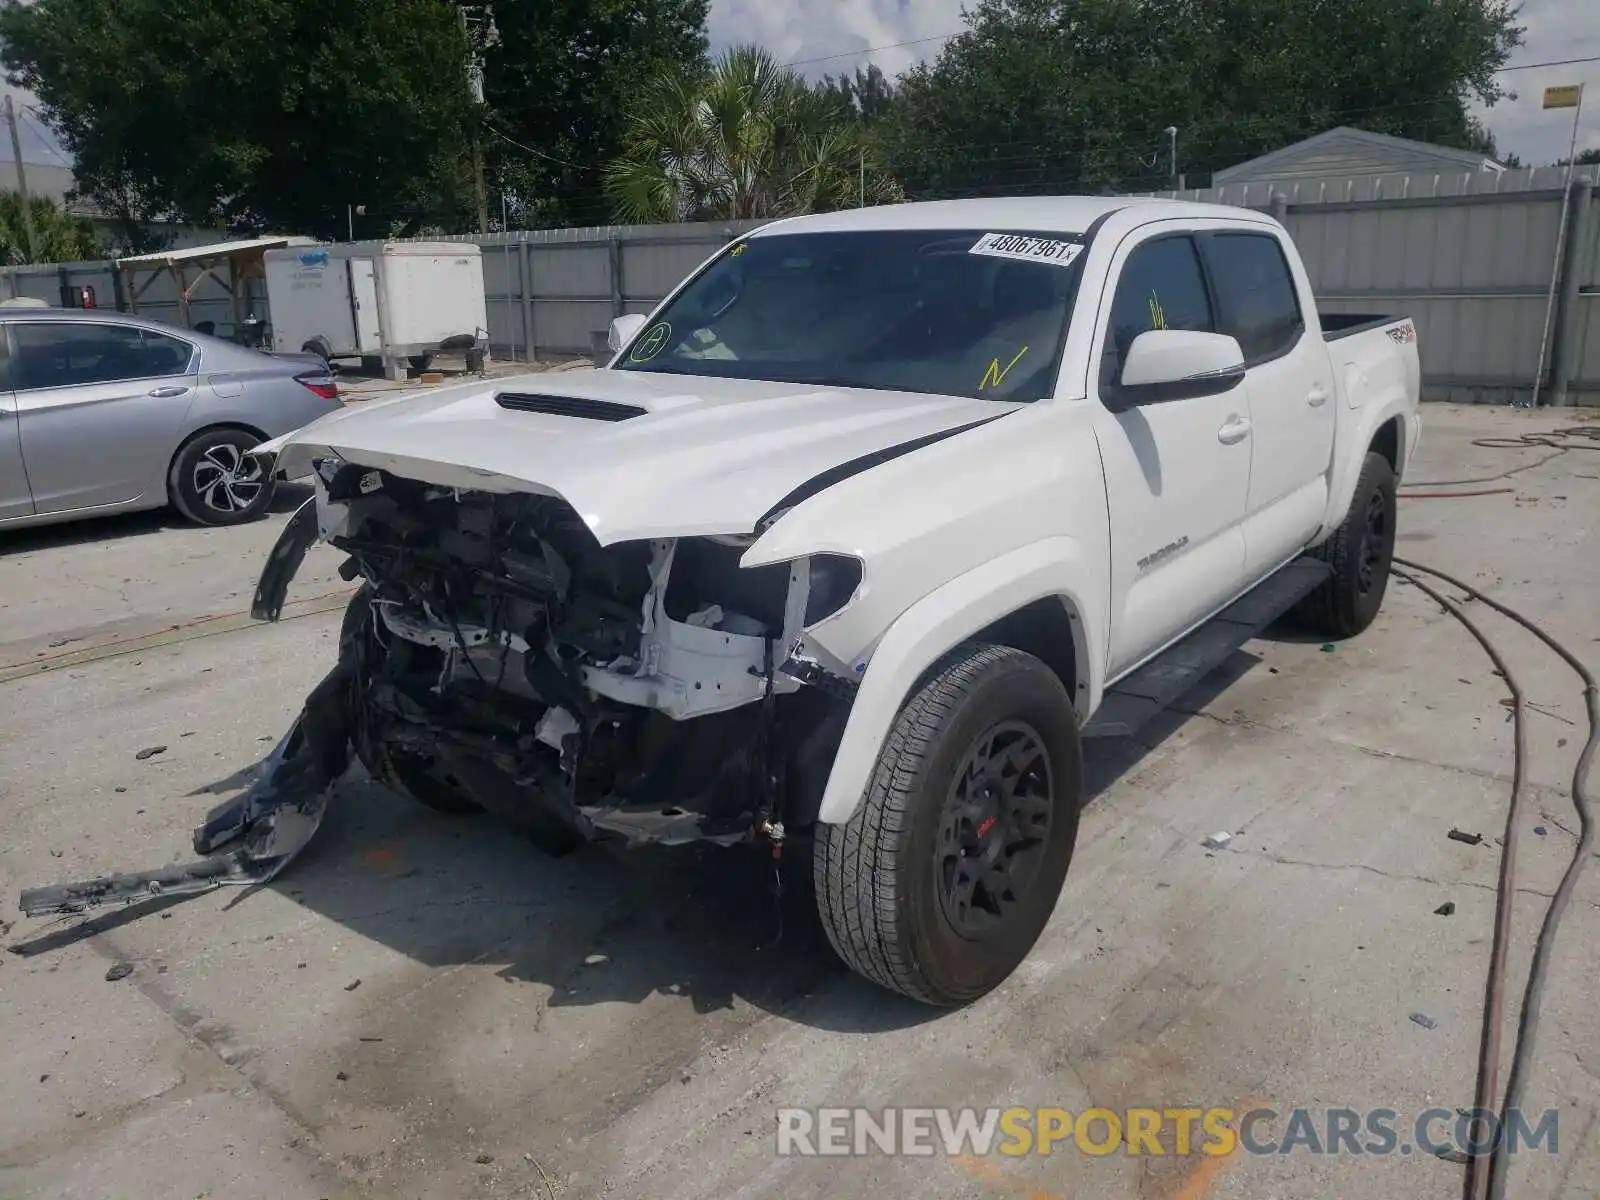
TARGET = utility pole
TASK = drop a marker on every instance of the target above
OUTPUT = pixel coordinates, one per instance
(22, 179)
(1172, 154)
(1554, 97)
(478, 21)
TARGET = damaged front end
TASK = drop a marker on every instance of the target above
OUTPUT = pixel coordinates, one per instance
(496, 656)
(651, 690)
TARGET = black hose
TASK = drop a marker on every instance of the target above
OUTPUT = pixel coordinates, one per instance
(1574, 437)
(1533, 994)
(1488, 1081)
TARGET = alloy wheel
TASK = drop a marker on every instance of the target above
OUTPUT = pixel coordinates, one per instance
(993, 829)
(228, 480)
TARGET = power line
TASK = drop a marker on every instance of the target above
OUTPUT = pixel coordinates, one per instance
(540, 153)
(1560, 62)
(46, 138)
(938, 37)
(944, 37)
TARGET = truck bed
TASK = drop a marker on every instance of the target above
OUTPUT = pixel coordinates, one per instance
(1342, 325)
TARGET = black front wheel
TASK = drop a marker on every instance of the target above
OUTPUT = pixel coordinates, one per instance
(942, 881)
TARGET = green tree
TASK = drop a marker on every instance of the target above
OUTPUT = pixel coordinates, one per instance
(254, 113)
(749, 138)
(1053, 95)
(57, 235)
(559, 86)
(868, 94)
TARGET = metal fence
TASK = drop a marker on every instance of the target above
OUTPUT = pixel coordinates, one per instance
(1472, 258)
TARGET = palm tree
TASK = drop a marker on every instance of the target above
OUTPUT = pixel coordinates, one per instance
(58, 236)
(749, 139)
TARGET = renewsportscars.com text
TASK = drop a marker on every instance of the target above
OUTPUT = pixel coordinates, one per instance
(1020, 1131)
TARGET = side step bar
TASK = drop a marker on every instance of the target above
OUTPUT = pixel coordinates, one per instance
(1139, 696)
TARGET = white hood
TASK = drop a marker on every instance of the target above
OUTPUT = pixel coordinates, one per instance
(708, 455)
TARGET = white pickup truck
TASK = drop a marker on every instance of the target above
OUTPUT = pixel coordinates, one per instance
(857, 537)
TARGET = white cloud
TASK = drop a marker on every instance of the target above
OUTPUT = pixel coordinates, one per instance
(1556, 30)
(798, 30)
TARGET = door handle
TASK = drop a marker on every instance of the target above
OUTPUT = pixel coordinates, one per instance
(162, 393)
(1318, 396)
(1235, 431)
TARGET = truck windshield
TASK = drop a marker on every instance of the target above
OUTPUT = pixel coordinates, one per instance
(976, 313)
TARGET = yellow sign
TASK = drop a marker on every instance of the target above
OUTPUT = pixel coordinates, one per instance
(1563, 97)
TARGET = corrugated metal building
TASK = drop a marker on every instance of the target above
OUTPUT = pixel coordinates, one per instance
(1344, 153)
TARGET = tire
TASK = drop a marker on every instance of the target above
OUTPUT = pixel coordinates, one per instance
(213, 482)
(888, 881)
(320, 346)
(420, 362)
(1360, 552)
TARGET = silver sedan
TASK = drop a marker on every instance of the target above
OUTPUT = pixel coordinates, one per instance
(101, 412)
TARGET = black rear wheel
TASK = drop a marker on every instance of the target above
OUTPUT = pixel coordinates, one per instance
(1360, 551)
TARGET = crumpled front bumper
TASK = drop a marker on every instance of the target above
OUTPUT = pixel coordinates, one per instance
(250, 839)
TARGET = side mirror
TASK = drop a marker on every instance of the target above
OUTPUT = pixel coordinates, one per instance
(1175, 364)
(623, 329)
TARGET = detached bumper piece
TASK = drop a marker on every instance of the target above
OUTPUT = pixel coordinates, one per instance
(266, 827)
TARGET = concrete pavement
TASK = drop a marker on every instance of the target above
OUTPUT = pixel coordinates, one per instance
(412, 1009)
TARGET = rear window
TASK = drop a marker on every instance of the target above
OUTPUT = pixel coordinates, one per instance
(75, 353)
(1256, 293)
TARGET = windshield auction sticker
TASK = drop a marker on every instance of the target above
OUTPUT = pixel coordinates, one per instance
(1028, 249)
(652, 343)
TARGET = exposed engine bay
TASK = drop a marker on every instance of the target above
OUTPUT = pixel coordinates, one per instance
(655, 690)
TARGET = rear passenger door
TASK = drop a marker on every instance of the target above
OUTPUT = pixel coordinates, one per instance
(99, 409)
(1290, 388)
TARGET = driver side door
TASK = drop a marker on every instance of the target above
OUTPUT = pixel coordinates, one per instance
(1177, 470)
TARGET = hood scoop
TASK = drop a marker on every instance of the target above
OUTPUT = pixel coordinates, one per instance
(569, 406)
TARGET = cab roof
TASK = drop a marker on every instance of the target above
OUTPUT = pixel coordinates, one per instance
(1044, 214)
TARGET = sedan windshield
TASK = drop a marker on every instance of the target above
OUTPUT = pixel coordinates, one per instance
(954, 312)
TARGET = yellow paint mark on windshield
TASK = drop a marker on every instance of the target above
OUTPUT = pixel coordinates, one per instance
(993, 377)
(737, 250)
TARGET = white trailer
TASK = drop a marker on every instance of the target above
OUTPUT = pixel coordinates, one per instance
(394, 303)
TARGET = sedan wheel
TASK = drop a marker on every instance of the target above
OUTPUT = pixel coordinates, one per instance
(214, 480)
